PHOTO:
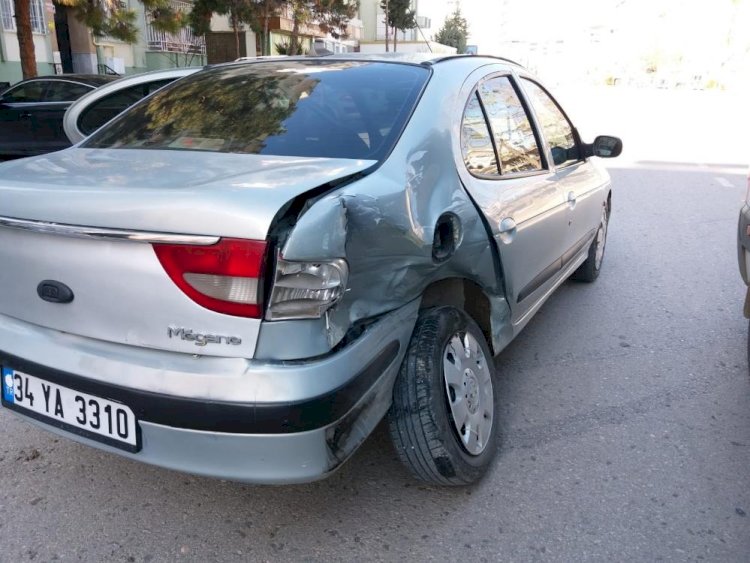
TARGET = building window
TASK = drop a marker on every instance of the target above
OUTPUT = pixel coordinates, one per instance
(36, 10)
(9, 22)
(184, 41)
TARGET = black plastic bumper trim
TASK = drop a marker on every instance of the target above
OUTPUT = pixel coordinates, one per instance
(220, 416)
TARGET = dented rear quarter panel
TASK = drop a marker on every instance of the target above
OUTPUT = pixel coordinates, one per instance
(384, 223)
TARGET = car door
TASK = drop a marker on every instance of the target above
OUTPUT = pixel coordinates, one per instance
(16, 111)
(507, 175)
(579, 182)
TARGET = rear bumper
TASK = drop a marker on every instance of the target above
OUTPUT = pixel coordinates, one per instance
(244, 420)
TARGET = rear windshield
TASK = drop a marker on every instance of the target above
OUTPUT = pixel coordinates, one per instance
(338, 109)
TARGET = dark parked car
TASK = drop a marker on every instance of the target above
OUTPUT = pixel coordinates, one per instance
(31, 112)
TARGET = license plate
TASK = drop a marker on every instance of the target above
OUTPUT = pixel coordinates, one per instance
(83, 414)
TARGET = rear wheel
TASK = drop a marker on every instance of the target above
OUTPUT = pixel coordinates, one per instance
(589, 270)
(443, 421)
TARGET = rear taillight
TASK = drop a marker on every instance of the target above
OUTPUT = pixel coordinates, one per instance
(306, 290)
(223, 277)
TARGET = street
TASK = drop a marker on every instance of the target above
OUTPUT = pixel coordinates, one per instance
(625, 420)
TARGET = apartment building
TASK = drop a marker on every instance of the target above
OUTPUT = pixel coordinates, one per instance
(221, 46)
(63, 44)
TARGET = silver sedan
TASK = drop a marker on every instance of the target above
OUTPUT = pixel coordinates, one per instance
(243, 273)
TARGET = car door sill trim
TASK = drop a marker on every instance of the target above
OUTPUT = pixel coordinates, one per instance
(577, 247)
(566, 272)
(542, 277)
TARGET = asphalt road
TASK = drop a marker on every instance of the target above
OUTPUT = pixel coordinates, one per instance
(625, 417)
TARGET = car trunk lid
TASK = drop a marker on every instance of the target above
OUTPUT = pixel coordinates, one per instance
(84, 218)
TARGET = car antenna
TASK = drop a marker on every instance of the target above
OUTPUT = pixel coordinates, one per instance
(422, 33)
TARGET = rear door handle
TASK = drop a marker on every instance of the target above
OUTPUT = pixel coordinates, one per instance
(571, 199)
(25, 115)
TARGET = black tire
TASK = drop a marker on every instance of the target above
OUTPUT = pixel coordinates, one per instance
(589, 270)
(420, 420)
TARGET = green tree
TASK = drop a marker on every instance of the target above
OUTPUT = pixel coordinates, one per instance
(333, 16)
(302, 14)
(266, 9)
(239, 12)
(398, 17)
(454, 32)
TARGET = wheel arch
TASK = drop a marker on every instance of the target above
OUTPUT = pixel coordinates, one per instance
(466, 295)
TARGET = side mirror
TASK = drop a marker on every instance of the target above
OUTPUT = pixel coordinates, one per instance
(604, 146)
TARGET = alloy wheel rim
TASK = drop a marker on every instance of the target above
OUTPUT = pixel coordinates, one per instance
(468, 387)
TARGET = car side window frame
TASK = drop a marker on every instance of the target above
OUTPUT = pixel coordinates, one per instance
(574, 129)
(142, 86)
(475, 96)
(51, 84)
(538, 138)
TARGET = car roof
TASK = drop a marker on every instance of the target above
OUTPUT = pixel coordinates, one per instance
(419, 58)
(406, 58)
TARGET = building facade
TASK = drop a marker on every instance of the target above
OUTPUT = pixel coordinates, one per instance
(417, 40)
(221, 45)
(62, 44)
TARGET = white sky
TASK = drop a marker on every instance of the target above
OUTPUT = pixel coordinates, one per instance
(674, 23)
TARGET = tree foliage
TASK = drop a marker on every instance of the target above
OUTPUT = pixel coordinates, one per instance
(334, 16)
(398, 16)
(114, 18)
(455, 32)
(302, 14)
(285, 48)
(239, 12)
(264, 10)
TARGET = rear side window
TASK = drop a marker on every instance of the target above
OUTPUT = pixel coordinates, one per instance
(331, 109)
(104, 109)
(65, 91)
(514, 136)
(476, 143)
(557, 129)
(29, 92)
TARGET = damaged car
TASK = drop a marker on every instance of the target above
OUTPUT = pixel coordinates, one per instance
(243, 273)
